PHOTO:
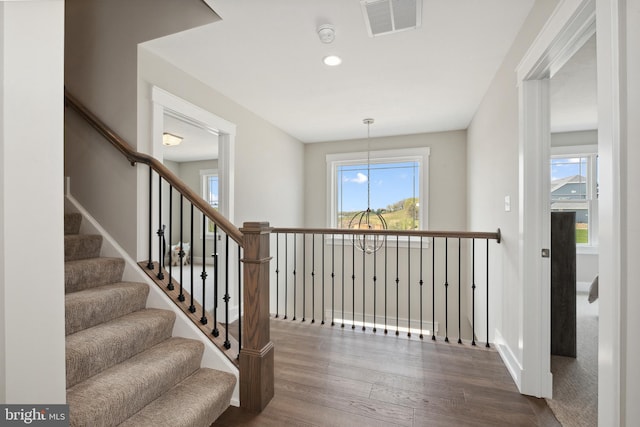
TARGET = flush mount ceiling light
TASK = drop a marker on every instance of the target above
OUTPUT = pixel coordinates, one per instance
(332, 60)
(171, 140)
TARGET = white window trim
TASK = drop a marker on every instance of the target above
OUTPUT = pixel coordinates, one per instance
(589, 150)
(203, 174)
(420, 154)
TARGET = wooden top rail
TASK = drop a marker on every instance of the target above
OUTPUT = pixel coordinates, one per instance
(135, 157)
(410, 233)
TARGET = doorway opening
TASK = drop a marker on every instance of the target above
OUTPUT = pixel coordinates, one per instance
(574, 238)
(204, 160)
(572, 24)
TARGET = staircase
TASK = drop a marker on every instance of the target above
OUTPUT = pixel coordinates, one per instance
(123, 365)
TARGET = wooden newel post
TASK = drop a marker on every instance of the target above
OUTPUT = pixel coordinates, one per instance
(256, 355)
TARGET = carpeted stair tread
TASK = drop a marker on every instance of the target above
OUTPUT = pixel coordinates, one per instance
(91, 307)
(82, 246)
(93, 350)
(121, 360)
(196, 402)
(112, 396)
(92, 272)
(72, 223)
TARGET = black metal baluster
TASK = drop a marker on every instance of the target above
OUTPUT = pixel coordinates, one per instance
(304, 276)
(342, 326)
(203, 319)
(192, 307)
(286, 275)
(446, 289)
(473, 292)
(150, 263)
(227, 343)
(170, 284)
(487, 294)
(397, 285)
(277, 274)
(181, 253)
(215, 331)
(459, 293)
(433, 288)
(333, 279)
(295, 279)
(322, 245)
(353, 286)
(375, 278)
(364, 279)
(160, 274)
(421, 282)
(240, 297)
(386, 276)
(313, 278)
(409, 286)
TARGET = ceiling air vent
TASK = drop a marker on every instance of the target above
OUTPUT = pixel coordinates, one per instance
(390, 16)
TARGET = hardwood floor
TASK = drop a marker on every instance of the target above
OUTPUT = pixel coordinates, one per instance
(329, 376)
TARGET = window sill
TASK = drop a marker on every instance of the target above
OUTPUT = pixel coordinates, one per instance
(587, 250)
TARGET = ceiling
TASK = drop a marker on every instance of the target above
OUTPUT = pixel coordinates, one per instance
(267, 57)
(198, 143)
(573, 90)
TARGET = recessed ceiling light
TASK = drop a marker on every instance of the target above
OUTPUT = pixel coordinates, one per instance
(171, 140)
(332, 60)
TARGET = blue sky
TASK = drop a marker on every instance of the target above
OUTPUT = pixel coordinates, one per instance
(568, 166)
(390, 183)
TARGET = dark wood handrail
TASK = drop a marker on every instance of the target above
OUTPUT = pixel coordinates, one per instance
(409, 233)
(135, 157)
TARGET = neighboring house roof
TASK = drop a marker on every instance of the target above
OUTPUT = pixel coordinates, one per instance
(557, 184)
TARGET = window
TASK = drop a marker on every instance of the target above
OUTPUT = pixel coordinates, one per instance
(393, 184)
(574, 188)
(210, 192)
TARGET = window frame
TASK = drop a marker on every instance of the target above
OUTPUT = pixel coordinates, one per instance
(590, 152)
(419, 154)
(204, 175)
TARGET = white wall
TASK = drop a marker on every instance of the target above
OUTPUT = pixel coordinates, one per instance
(447, 175)
(101, 71)
(447, 211)
(269, 164)
(493, 162)
(32, 364)
(583, 137)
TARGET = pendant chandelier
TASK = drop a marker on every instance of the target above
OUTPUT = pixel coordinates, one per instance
(368, 219)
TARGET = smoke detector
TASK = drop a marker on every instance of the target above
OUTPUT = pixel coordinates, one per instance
(327, 33)
(391, 16)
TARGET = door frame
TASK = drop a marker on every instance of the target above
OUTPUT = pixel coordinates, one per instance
(164, 102)
(566, 31)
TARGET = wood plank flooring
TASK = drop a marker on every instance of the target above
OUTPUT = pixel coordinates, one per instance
(329, 376)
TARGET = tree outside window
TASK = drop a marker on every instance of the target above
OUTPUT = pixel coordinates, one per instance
(391, 183)
(394, 189)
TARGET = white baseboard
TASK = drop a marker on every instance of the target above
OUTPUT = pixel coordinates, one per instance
(508, 358)
(379, 322)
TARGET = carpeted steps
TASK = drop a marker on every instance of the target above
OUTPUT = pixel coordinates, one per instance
(123, 365)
